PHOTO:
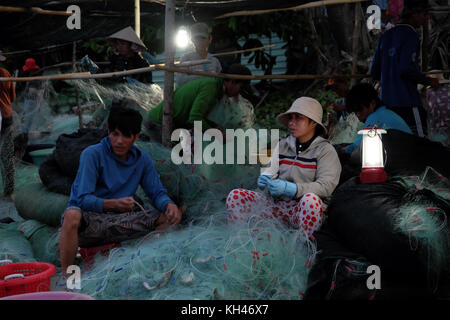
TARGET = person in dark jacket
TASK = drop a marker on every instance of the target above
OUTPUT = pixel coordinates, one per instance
(394, 64)
(101, 208)
(125, 55)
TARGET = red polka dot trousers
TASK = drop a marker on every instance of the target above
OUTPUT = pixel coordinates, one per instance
(305, 213)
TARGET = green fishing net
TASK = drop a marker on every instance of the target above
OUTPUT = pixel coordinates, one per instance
(345, 130)
(426, 224)
(14, 246)
(261, 259)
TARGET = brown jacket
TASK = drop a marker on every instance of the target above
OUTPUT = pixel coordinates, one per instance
(7, 94)
(315, 170)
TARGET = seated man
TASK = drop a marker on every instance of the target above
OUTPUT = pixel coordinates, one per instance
(201, 38)
(195, 100)
(101, 208)
(363, 100)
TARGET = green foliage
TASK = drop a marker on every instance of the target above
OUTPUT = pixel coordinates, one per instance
(281, 100)
(153, 38)
(266, 114)
(97, 45)
(325, 97)
(291, 27)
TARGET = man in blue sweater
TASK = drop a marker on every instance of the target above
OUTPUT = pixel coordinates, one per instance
(101, 208)
(394, 64)
(363, 100)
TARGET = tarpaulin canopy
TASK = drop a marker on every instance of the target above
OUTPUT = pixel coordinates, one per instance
(31, 30)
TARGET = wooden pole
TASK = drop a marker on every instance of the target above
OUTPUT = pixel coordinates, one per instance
(242, 51)
(169, 50)
(34, 10)
(88, 75)
(77, 91)
(356, 32)
(425, 40)
(137, 17)
(300, 7)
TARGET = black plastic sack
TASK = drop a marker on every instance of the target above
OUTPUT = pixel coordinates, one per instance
(69, 147)
(362, 218)
(409, 154)
(405, 154)
(53, 178)
(341, 274)
(60, 169)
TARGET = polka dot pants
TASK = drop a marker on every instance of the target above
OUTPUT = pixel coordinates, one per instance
(305, 213)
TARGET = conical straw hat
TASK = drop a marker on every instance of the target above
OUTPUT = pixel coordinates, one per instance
(128, 34)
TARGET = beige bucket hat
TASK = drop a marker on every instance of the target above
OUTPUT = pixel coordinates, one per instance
(128, 34)
(306, 106)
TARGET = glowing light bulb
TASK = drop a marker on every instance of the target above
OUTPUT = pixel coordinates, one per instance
(182, 38)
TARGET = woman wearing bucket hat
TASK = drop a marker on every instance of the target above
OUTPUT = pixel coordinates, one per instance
(304, 170)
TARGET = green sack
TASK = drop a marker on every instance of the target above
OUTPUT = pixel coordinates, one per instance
(14, 246)
(34, 201)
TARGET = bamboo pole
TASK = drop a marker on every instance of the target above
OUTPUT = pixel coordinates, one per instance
(37, 10)
(299, 7)
(169, 49)
(88, 75)
(34, 10)
(137, 17)
(77, 91)
(242, 51)
(356, 31)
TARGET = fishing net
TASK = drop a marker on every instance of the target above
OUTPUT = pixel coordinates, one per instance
(346, 130)
(261, 259)
(425, 222)
(232, 115)
(204, 257)
(145, 97)
(14, 246)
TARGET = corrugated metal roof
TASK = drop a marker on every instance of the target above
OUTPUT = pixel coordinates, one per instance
(277, 51)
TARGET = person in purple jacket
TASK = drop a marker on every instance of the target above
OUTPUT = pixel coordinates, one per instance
(101, 207)
(394, 64)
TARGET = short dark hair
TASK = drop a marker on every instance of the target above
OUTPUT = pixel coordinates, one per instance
(361, 95)
(237, 68)
(127, 120)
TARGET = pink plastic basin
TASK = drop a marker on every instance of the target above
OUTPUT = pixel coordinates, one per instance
(49, 295)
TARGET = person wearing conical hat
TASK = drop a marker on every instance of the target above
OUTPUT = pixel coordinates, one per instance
(125, 55)
(304, 171)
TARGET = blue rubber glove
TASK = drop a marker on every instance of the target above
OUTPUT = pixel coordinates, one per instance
(88, 64)
(263, 180)
(278, 188)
